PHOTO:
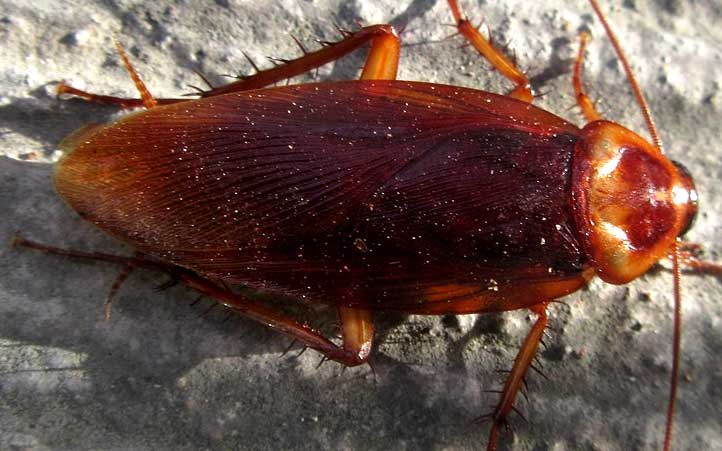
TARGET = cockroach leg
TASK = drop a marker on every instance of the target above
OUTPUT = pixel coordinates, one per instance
(357, 330)
(117, 283)
(20, 241)
(289, 347)
(356, 324)
(146, 100)
(171, 282)
(496, 57)
(208, 310)
(385, 42)
(689, 257)
(145, 95)
(515, 381)
(128, 263)
(583, 100)
(382, 62)
(383, 37)
(354, 353)
(119, 102)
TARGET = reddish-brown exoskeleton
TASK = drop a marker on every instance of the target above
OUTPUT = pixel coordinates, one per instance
(379, 194)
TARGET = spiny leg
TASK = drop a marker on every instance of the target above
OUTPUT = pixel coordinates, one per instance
(356, 325)
(583, 100)
(378, 63)
(351, 353)
(381, 36)
(496, 57)
(515, 380)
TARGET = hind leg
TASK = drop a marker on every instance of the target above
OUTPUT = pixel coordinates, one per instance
(356, 325)
(381, 64)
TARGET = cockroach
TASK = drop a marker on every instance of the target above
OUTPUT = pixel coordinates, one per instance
(382, 195)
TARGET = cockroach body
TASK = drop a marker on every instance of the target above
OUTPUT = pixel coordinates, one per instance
(379, 194)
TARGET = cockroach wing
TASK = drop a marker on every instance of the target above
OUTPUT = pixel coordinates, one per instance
(362, 193)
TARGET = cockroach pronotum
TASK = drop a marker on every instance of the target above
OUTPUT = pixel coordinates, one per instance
(383, 195)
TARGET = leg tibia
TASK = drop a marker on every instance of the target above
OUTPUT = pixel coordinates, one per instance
(582, 98)
(515, 380)
(381, 35)
(148, 100)
(496, 57)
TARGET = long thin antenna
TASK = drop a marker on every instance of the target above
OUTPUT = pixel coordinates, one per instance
(676, 343)
(676, 347)
(630, 76)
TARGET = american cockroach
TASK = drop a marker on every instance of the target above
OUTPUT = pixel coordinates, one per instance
(366, 195)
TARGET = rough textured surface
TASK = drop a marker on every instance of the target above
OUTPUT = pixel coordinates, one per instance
(158, 376)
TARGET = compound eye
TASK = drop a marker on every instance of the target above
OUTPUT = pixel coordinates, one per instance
(685, 178)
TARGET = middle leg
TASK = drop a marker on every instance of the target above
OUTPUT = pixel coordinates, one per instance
(496, 57)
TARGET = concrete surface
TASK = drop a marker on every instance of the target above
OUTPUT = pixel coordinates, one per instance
(160, 375)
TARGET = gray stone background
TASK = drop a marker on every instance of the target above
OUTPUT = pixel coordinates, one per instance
(160, 375)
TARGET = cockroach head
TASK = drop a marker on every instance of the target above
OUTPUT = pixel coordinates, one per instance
(630, 202)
